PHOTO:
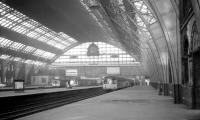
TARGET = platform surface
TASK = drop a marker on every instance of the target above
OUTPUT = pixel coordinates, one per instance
(136, 103)
(26, 87)
(36, 91)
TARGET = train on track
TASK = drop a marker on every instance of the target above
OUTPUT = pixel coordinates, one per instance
(116, 82)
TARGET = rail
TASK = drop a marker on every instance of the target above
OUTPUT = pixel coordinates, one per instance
(18, 106)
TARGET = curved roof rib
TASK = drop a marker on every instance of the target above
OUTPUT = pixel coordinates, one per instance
(157, 25)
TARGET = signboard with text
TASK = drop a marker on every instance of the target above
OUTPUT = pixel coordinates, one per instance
(113, 70)
(71, 72)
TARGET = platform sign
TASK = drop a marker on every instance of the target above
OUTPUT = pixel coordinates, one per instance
(113, 70)
(19, 85)
(71, 72)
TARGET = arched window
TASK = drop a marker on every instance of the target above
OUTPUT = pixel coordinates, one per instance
(108, 54)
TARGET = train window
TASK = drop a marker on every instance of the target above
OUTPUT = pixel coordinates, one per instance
(109, 81)
(105, 81)
(114, 81)
(44, 80)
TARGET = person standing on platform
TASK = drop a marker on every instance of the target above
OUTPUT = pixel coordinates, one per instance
(68, 84)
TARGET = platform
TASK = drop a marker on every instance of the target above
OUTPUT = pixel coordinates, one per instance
(137, 103)
(27, 87)
(37, 91)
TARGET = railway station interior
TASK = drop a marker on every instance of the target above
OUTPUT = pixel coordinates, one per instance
(100, 59)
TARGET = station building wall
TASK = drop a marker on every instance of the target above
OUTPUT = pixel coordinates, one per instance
(11, 70)
(99, 71)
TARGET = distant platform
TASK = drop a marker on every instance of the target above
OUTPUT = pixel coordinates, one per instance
(136, 103)
(26, 87)
(38, 90)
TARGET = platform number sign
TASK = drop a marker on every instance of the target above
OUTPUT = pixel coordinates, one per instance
(113, 70)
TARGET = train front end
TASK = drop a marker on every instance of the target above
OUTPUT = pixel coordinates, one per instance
(109, 84)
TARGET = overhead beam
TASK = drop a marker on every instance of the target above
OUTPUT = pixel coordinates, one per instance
(17, 37)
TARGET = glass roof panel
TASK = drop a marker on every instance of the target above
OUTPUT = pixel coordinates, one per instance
(39, 52)
(16, 46)
(140, 15)
(16, 21)
(44, 54)
(5, 42)
(142, 7)
(28, 49)
(48, 55)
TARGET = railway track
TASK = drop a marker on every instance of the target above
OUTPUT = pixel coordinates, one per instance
(12, 109)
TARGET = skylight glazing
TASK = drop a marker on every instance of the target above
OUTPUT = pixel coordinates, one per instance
(142, 7)
(16, 46)
(18, 59)
(5, 43)
(108, 54)
(48, 55)
(29, 49)
(143, 16)
(143, 31)
(39, 52)
(43, 54)
(140, 15)
(20, 23)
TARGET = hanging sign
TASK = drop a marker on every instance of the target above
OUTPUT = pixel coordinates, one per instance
(71, 72)
(113, 70)
(93, 50)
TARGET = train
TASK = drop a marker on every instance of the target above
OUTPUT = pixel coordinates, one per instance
(74, 81)
(116, 82)
(79, 82)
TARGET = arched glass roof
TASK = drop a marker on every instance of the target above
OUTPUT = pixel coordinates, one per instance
(143, 16)
(15, 21)
(18, 22)
(157, 23)
(108, 55)
(16, 46)
(154, 21)
(22, 60)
